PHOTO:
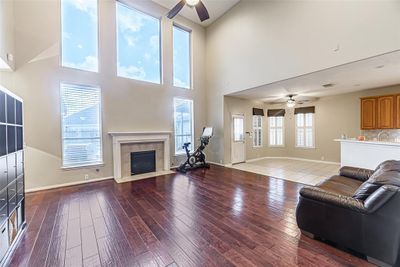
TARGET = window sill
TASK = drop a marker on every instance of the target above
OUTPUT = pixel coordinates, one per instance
(182, 154)
(67, 168)
(304, 147)
(276, 146)
(184, 88)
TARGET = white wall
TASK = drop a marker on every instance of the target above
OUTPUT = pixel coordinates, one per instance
(128, 105)
(260, 42)
(6, 31)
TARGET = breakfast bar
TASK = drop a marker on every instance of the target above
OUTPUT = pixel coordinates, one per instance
(367, 154)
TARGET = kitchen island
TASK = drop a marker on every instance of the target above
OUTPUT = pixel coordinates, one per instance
(367, 154)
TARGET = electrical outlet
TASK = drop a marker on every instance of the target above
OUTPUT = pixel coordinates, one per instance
(86, 176)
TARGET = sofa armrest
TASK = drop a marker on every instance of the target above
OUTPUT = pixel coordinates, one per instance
(356, 173)
(380, 197)
(321, 195)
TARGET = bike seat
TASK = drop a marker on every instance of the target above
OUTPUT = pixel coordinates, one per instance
(186, 144)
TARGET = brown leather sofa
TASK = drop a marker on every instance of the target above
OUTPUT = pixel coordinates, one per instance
(358, 209)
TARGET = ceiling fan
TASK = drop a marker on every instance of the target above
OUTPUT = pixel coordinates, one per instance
(198, 4)
(290, 100)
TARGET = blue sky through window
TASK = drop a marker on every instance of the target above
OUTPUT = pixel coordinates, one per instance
(79, 34)
(138, 44)
(181, 58)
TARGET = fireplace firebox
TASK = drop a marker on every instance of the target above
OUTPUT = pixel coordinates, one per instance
(143, 162)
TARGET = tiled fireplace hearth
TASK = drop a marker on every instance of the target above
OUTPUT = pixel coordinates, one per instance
(125, 143)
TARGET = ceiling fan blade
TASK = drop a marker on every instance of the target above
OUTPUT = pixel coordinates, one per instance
(202, 11)
(175, 10)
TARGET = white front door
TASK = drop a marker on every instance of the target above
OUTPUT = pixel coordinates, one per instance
(238, 140)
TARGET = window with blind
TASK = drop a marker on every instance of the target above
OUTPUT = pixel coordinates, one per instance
(81, 125)
(276, 132)
(305, 130)
(257, 131)
(183, 121)
(79, 34)
(182, 69)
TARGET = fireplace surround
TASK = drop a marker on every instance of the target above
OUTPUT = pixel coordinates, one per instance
(144, 139)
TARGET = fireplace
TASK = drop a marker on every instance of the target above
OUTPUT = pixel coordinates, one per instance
(143, 162)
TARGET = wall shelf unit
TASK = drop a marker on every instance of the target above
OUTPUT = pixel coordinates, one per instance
(12, 181)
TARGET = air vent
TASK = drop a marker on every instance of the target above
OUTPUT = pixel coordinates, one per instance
(328, 85)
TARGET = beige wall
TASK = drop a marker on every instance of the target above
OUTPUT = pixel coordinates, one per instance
(261, 42)
(128, 105)
(334, 115)
(6, 31)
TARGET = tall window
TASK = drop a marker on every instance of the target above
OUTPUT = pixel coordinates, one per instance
(79, 34)
(305, 130)
(257, 131)
(81, 125)
(276, 132)
(183, 118)
(138, 45)
(182, 69)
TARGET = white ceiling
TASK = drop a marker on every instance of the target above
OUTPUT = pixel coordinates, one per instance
(216, 8)
(370, 73)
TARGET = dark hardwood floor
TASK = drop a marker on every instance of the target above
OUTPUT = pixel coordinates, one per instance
(215, 217)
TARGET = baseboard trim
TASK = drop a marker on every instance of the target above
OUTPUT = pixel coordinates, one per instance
(215, 163)
(35, 189)
(294, 158)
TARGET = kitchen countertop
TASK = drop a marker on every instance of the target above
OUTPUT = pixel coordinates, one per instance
(383, 143)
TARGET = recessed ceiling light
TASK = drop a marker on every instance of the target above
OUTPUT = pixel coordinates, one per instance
(380, 66)
(357, 84)
(327, 85)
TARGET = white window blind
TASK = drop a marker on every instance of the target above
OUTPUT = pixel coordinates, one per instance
(183, 120)
(276, 132)
(305, 130)
(81, 125)
(257, 131)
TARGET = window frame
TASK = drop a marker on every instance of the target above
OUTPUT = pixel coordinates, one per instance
(60, 57)
(160, 30)
(96, 164)
(190, 31)
(192, 126)
(276, 128)
(258, 128)
(304, 128)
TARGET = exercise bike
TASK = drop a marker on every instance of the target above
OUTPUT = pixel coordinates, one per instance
(197, 159)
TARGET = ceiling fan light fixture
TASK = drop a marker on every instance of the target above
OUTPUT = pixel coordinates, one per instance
(192, 2)
(290, 103)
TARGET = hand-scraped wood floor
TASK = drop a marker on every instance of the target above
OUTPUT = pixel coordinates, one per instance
(216, 217)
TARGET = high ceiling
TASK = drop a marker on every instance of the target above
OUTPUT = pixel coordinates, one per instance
(216, 8)
(370, 73)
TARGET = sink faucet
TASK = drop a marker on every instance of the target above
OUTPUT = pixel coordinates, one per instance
(383, 133)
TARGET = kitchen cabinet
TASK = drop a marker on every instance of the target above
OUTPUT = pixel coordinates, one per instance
(385, 112)
(368, 113)
(380, 112)
(398, 111)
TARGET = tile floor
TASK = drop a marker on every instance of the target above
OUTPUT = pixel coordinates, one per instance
(299, 171)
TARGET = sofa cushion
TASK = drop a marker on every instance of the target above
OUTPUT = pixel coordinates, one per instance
(387, 173)
(340, 185)
(365, 190)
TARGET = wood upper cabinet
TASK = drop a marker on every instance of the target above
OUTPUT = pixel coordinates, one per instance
(398, 112)
(380, 112)
(368, 113)
(386, 112)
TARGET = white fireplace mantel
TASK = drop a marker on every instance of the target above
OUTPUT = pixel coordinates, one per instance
(119, 138)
